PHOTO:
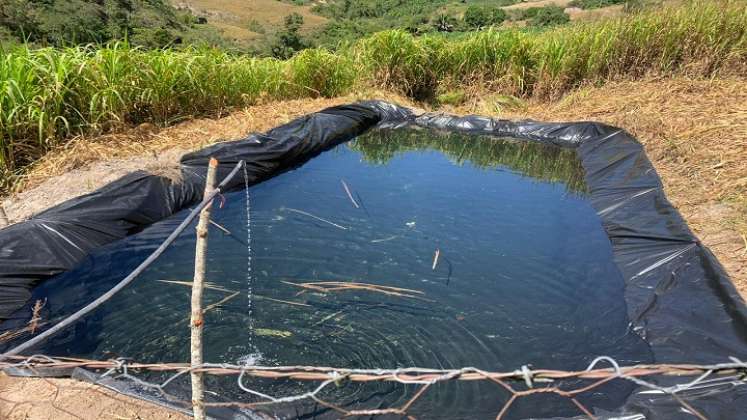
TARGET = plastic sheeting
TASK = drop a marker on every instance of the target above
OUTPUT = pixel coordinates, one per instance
(679, 298)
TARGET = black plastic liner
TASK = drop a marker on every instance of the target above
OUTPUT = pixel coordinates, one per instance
(679, 298)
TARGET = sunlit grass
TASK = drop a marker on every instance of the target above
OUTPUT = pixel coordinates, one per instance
(699, 39)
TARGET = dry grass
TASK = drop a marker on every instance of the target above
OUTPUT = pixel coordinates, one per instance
(325, 287)
(537, 3)
(595, 14)
(234, 16)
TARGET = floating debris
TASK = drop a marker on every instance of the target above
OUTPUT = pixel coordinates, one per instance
(376, 241)
(207, 285)
(220, 302)
(350, 196)
(269, 332)
(211, 286)
(224, 230)
(316, 217)
(338, 286)
(287, 302)
(328, 317)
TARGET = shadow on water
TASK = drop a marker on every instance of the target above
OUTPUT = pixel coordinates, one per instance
(525, 276)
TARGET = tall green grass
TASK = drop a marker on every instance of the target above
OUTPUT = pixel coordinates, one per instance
(48, 95)
(700, 38)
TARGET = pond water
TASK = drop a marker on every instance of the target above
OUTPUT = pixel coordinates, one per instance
(524, 276)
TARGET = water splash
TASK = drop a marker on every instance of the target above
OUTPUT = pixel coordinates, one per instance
(254, 356)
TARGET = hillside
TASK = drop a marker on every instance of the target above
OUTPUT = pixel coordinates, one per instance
(255, 24)
(147, 23)
(274, 27)
(245, 21)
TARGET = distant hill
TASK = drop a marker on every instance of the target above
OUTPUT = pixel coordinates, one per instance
(260, 24)
(250, 21)
(270, 27)
(150, 23)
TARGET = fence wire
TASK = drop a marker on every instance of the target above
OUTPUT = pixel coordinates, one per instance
(687, 379)
(516, 384)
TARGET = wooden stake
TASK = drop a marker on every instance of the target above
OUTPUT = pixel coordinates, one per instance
(196, 321)
(4, 221)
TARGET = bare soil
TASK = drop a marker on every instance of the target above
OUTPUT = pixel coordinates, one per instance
(67, 399)
(694, 132)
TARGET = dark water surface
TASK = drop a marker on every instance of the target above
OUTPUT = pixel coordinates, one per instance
(525, 275)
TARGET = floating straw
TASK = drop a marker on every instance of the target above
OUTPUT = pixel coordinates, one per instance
(224, 230)
(350, 196)
(340, 286)
(316, 217)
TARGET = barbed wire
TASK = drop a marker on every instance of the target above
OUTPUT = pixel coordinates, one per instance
(536, 381)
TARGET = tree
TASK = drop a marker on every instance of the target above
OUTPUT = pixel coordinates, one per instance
(289, 40)
(444, 23)
(549, 16)
(481, 16)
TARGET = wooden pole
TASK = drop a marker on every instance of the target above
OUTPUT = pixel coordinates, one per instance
(4, 221)
(198, 407)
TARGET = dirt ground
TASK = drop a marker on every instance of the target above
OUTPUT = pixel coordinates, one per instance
(694, 132)
(67, 399)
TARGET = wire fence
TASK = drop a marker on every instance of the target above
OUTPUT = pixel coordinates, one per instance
(683, 384)
(517, 384)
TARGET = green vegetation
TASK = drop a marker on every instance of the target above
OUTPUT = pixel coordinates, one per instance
(483, 16)
(49, 94)
(595, 4)
(289, 40)
(148, 23)
(451, 97)
(350, 20)
(549, 15)
(537, 160)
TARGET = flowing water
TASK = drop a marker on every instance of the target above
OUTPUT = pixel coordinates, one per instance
(524, 276)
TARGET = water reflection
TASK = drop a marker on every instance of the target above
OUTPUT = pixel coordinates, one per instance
(532, 159)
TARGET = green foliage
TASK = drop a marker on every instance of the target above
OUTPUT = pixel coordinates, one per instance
(452, 97)
(354, 19)
(483, 16)
(318, 72)
(50, 94)
(550, 15)
(289, 41)
(150, 23)
(445, 23)
(595, 4)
